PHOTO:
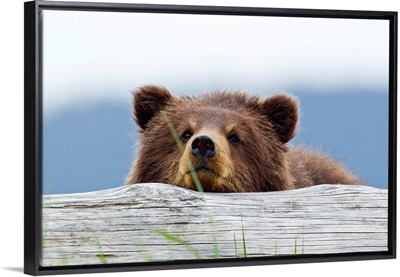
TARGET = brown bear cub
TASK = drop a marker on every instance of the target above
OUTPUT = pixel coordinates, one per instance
(235, 143)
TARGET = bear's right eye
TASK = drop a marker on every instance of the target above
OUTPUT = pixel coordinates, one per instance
(186, 136)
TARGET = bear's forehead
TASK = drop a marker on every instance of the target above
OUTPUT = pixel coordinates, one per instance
(212, 112)
(201, 116)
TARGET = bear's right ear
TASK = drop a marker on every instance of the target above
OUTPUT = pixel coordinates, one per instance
(147, 101)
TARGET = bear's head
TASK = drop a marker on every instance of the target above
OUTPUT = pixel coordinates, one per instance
(228, 141)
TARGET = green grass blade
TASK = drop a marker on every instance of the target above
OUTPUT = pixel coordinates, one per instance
(170, 237)
(64, 259)
(295, 246)
(215, 243)
(101, 255)
(182, 149)
(244, 241)
(140, 248)
(216, 250)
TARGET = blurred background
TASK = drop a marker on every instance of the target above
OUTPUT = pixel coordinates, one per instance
(338, 69)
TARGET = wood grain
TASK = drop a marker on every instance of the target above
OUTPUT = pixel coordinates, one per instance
(152, 222)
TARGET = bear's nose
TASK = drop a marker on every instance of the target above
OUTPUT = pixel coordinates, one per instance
(203, 147)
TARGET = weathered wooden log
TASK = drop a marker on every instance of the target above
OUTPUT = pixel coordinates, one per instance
(151, 222)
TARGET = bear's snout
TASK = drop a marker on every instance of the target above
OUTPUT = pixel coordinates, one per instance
(203, 147)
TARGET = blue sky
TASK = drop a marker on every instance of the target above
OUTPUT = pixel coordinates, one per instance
(338, 68)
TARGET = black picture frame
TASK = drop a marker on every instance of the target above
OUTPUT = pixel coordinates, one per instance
(33, 134)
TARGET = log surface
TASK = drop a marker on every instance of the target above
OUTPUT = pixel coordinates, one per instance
(152, 222)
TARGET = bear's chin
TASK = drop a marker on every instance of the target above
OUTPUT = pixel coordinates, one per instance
(206, 173)
(209, 180)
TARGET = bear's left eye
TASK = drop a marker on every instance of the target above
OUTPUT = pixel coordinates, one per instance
(234, 139)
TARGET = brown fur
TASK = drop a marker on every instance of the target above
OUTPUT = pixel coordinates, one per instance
(262, 161)
(313, 168)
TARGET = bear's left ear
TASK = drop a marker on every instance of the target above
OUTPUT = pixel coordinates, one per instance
(282, 110)
(147, 102)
